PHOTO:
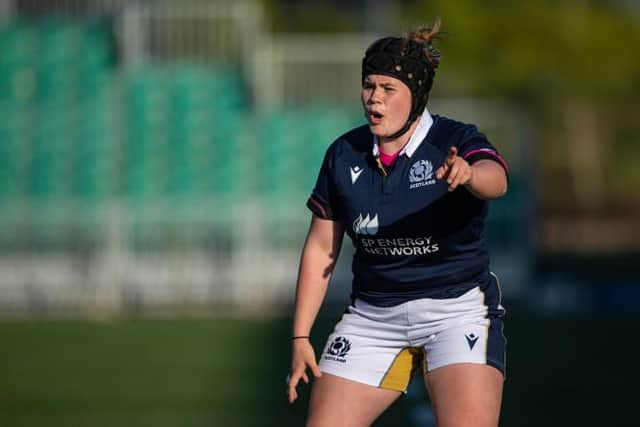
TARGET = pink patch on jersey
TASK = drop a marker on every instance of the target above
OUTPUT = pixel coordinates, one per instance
(388, 159)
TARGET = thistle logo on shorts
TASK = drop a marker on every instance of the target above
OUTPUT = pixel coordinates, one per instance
(471, 339)
(421, 174)
(366, 225)
(338, 349)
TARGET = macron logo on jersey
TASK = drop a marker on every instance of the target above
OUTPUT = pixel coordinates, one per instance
(367, 225)
(355, 173)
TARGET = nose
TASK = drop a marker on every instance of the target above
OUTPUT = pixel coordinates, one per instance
(374, 96)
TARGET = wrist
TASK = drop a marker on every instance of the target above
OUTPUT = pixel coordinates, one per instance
(300, 337)
(469, 182)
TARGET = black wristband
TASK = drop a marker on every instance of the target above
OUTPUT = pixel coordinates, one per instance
(300, 336)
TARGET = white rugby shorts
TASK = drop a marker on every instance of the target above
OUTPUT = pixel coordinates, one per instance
(384, 346)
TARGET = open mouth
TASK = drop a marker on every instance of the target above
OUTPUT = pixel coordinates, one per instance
(374, 117)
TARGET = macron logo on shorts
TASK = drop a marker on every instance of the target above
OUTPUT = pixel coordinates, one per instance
(471, 339)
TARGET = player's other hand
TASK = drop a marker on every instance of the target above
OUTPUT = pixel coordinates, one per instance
(455, 170)
(303, 357)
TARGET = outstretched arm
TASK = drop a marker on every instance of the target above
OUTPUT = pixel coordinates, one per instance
(485, 179)
(319, 256)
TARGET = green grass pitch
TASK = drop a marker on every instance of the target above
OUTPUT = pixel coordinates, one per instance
(217, 372)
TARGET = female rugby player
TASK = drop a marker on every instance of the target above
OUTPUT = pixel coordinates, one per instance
(411, 190)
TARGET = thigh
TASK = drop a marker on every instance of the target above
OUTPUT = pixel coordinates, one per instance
(465, 394)
(338, 402)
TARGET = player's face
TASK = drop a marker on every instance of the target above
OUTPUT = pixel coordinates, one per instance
(387, 104)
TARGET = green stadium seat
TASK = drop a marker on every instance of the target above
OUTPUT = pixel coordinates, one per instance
(199, 153)
(280, 133)
(51, 166)
(60, 40)
(96, 153)
(52, 59)
(19, 45)
(12, 167)
(298, 140)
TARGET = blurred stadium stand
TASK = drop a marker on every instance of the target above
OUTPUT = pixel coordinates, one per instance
(156, 157)
(155, 154)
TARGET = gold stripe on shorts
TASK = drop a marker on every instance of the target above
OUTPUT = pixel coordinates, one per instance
(399, 373)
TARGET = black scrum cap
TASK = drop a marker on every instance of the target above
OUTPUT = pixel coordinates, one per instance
(408, 61)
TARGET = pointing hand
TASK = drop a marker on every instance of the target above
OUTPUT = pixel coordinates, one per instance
(455, 170)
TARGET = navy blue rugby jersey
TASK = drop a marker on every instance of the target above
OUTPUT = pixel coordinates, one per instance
(412, 237)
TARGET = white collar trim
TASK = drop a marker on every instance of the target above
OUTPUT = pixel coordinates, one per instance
(416, 139)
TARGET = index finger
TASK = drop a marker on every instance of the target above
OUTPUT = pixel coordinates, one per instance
(291, 390)
(453, 152)
(292, 394)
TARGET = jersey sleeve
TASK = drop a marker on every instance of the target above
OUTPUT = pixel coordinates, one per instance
(322, 201)
(475, 146)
